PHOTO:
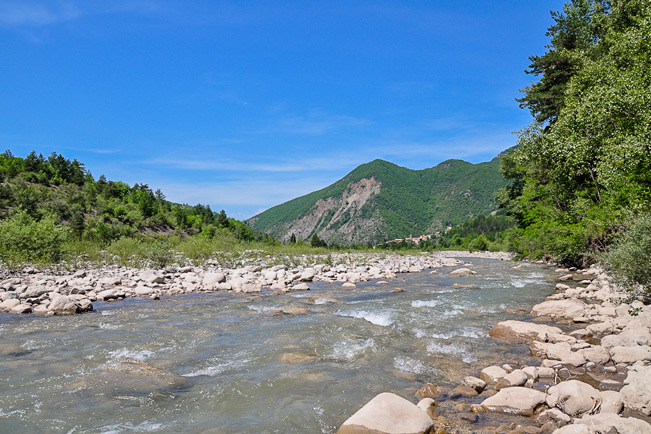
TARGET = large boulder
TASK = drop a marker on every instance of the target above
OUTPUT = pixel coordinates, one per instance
(515, 400)
(110, 294)
(210, 280)
(570, 308)
(611, 402)
(474, 383)
(515, 378)
(636, 393)
(63, 305)
(388, 414)
(520, 331)
(492, 374)
(596, 354)
(574, 398)
(152, 276)
(606, 423)
(628, 337)
(9, 304)
(630, 354)
(462, 272)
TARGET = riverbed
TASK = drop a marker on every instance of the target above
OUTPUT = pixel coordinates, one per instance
(241, 364)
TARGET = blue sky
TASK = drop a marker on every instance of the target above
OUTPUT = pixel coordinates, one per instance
(243, 105)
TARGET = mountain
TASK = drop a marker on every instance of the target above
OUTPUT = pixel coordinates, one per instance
(381, 200)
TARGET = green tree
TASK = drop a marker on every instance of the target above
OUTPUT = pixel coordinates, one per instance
(77, 225)
(222, 219)
(579, 176)
(575, 29)
(315, 241)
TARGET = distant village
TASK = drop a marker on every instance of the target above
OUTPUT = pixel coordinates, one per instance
(420, 238)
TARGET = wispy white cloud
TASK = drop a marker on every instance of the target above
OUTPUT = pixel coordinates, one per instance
(314, 123)
(247, 196)
(30, 13)
(246, 164)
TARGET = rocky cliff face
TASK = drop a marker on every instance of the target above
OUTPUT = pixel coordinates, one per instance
(339, 219)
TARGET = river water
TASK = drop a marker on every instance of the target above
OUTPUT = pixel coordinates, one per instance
(236, 365)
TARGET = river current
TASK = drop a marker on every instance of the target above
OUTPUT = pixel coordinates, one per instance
(238, 365)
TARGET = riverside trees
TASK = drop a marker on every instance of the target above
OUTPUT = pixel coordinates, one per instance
(583, 169)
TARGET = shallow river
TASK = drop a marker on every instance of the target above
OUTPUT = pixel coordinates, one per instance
(238, 366)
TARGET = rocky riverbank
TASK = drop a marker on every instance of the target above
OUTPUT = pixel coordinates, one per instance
(594, 374)
(45, 292)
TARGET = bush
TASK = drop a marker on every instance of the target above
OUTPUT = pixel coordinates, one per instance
(24, 239)
(629, 256)
(479, 243)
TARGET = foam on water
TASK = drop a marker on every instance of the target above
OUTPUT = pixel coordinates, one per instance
(262, 309)
(214, 370)
(126, 353)
(407, 364)
(323, 301)
(350, 350)
(378, 317)
(425, 303)
(145, 426)
(466, 332)
(454, 349)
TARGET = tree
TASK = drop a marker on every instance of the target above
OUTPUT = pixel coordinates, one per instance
(576, 29)
(222, 219)
(77, 225)
(579, 176)
(292, 239)
(315, 241)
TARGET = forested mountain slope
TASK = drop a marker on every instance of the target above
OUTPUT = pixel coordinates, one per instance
(381, 200)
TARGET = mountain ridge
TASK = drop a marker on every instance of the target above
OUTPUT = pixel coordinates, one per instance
(381, 200)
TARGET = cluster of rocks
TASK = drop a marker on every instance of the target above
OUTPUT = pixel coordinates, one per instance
(594, 377)
(50, 293)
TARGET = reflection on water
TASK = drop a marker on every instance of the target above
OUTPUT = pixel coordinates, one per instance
(224, 363)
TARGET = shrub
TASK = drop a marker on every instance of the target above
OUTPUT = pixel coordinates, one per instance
(479, 243)
(24, 239)
(629, 256)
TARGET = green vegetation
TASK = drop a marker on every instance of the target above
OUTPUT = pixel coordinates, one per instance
(52, 210)
(482, 233)
(629, 257)
(409, 201)
(582, 172)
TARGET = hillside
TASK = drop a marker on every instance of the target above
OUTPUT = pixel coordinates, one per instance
(381, 200)
(46, 202)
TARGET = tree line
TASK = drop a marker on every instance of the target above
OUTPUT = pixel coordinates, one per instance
(581, 173)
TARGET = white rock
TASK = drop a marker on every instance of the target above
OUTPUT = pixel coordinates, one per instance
(152, 276)
(462, 272)
(630, 354)
(606, 423)
(636, 393)
(560, 308)
(515, 400)
(387, 414)
(210, 280)
(574, 397)
(514, 331)
(611, 402)
(492, 374)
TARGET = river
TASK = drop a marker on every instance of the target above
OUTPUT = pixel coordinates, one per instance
(238, 365)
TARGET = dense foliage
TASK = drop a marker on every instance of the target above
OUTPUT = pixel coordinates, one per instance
(585, 165)
(409, 201)
(629, 257)
(48, 202)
